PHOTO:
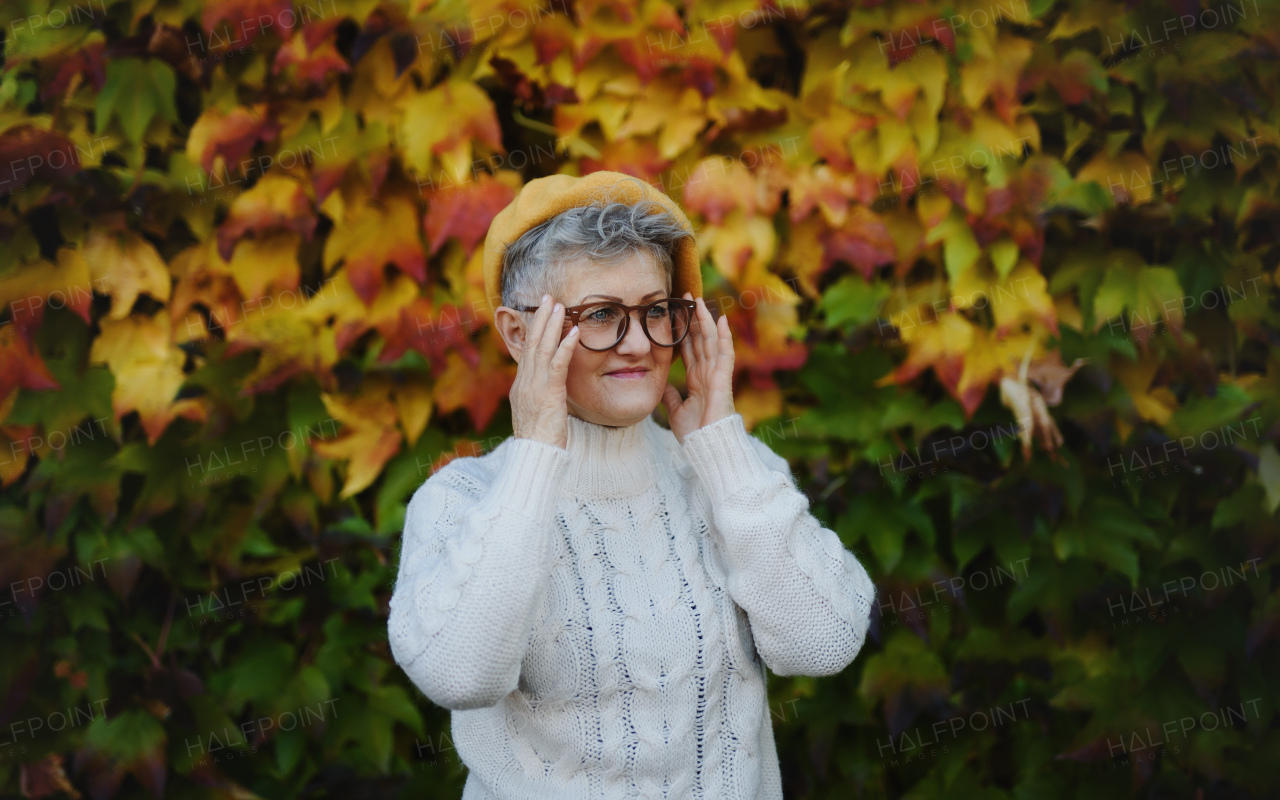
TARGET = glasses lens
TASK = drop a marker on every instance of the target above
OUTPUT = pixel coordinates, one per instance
(667, 322)
(598, 326)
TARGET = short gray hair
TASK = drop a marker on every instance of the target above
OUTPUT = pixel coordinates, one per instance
(607, 233)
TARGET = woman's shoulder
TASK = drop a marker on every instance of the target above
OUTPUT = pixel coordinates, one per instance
(470, 467)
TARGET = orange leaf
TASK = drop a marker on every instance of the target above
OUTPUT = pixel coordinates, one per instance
(28, 290)
(203, 279)
(464, 212)
(310, 63)
(231, 136)
(276, 202)
(20, 365)
(863, 241)
(371, 234)
(371, 437)
(45, 778)
(479, 389)
(442, 123)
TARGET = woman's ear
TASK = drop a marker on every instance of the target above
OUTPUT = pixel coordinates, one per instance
(511, 326)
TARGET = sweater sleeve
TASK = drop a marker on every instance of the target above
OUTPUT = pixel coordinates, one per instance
(474, 562)
(807, 598)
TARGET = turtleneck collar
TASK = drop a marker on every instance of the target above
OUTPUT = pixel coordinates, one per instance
(605, 461)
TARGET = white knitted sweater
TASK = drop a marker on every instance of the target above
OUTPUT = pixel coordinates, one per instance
(593, 615)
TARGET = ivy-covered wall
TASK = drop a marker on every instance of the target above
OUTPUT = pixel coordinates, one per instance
(1002, 279)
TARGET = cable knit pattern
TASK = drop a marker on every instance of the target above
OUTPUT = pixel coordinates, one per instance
(599, 618)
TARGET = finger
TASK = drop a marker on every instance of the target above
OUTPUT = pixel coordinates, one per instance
(671, 399)
(563, 355)
(551, 334)
(686, 351)
(700, 339)
(708, 327)
(538, 325)
(694, 340)
(725, 343)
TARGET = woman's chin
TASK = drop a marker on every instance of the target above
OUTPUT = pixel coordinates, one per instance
(622, 407)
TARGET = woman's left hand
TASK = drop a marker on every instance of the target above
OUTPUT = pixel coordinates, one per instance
(707, 352)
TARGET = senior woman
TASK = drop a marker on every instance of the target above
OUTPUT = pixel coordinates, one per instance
(598, 597)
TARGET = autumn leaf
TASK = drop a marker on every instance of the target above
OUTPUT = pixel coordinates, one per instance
(464, 212)
(1153, 403)
(203, 279)
(441, 124)
(311, 63)
(276, 13)
(275, 203)
(367, 235)
(127, 266)
(228, 136)
(1148, 293)
(45, 778)
(717, 187)
(477, 388)
(267, 263)
(862, 241)
(413, 406)
(291, 340)
(148, 372)
(20, 365)
(370, 436)
(29, 152)
(40, 285)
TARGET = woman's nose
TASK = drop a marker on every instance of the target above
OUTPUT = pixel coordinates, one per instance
(635, 342)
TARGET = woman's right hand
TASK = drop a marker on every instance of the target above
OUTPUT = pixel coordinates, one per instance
(539, 397)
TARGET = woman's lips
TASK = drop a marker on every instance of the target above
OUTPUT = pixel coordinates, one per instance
(628, 374)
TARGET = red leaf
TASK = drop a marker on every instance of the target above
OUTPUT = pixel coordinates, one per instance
(21, 366)
(862, 241)
(464, 212)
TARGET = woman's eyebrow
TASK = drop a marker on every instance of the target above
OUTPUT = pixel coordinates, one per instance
(619, 299)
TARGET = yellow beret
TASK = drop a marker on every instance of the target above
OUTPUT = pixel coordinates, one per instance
(544, 198)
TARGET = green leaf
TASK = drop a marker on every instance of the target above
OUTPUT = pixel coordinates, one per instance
(1004, 255)
(136, 91)
(852, 302)
(1148, 293)
(1269, 475)
(1105, 531)
(1243, 505)
(127, 736)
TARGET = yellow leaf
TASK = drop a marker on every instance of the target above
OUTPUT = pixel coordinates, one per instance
(260, 264)
(370, 437)
(738, 241)
(147, 370)
(1154, 405)
(413, 407)
(757, 404)
(128, 266)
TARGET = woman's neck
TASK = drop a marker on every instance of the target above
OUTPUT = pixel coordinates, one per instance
(610, 461)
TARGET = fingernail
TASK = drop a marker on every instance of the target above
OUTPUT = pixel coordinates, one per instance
(546, 297)
(556, 307)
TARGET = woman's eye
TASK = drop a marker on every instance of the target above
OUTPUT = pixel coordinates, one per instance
(658, 312)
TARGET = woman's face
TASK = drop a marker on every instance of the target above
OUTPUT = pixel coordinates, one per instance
(624, 385)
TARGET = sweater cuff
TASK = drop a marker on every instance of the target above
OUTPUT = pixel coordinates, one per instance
(531, 477)
(723, 456)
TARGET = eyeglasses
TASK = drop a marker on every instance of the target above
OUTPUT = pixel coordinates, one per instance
(602, 325)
